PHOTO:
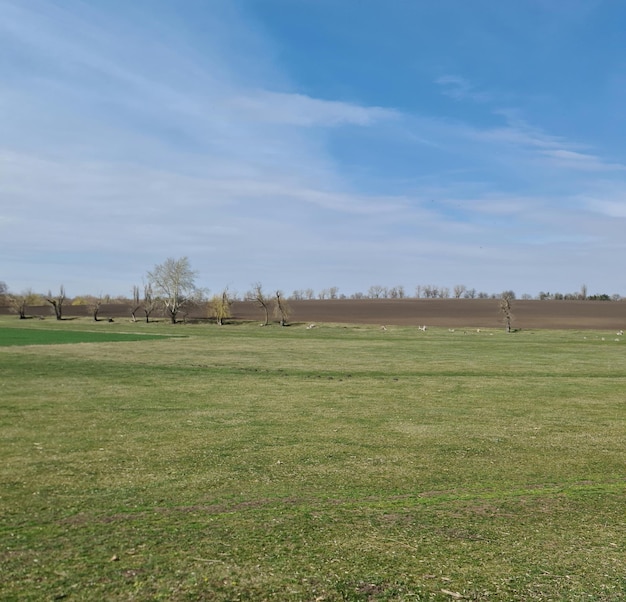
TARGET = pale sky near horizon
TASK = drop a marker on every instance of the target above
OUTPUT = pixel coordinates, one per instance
(313, 143)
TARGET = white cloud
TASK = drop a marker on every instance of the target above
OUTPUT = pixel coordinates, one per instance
(126, 147)
(567, 159)
(459, 88)
(301, 110)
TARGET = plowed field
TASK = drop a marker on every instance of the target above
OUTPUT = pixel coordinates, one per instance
(449, 313)
(452, 313)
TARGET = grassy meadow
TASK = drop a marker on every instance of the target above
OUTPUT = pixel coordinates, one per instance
(334, 463)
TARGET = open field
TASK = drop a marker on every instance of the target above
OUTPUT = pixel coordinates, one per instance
(333, 463)
(448, 313)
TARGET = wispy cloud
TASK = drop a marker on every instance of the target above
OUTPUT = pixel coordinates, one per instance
(131, 140)
(301, 110)
(567, 159)
(460, 88)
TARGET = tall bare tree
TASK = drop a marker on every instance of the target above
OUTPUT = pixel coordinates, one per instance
(149, 302)
(506, 299)
(95, 306)
(136, 303)
(57, 302)
(583, 292)
(281, 309)
(173, 281)
(258, 296)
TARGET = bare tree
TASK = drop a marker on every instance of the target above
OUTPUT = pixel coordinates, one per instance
(376, 291)
(149, 303)
(258, 296)
(583, 292)
(281, 309)
(396, 292)
(333, 292)
(173, 281)
(505, 308)
(470, 293)
(57, 302)
(459, 289)
(401, 292)
(309, 293)
(19, 303)
(221, 307)
(94, 306)
(136, 304)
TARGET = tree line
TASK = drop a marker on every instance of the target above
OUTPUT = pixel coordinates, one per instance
(170, 287)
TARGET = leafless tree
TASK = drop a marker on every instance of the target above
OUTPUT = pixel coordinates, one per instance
(470, 293)
(583, 292)
(309, 293)
(281, 309)
(376, 291)
(57, 302)
(459, 289)
(173, 281)
(136, 305)
(396, 292)
(19, 303)
(94, 306)
(505, 308)
(333, 292)
(258, 296)
(150, 302)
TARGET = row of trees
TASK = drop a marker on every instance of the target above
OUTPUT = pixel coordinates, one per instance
(171, 287)
(431, 291)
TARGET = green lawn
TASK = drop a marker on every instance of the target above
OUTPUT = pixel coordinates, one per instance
(338, 463)
(12, 336)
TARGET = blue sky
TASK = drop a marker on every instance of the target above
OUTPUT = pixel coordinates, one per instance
(313, 143)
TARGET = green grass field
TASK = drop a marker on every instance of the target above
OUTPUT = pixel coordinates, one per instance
(338, 463)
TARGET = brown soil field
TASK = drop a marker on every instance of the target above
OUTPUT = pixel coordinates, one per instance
(452, 313)
(449, 313)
